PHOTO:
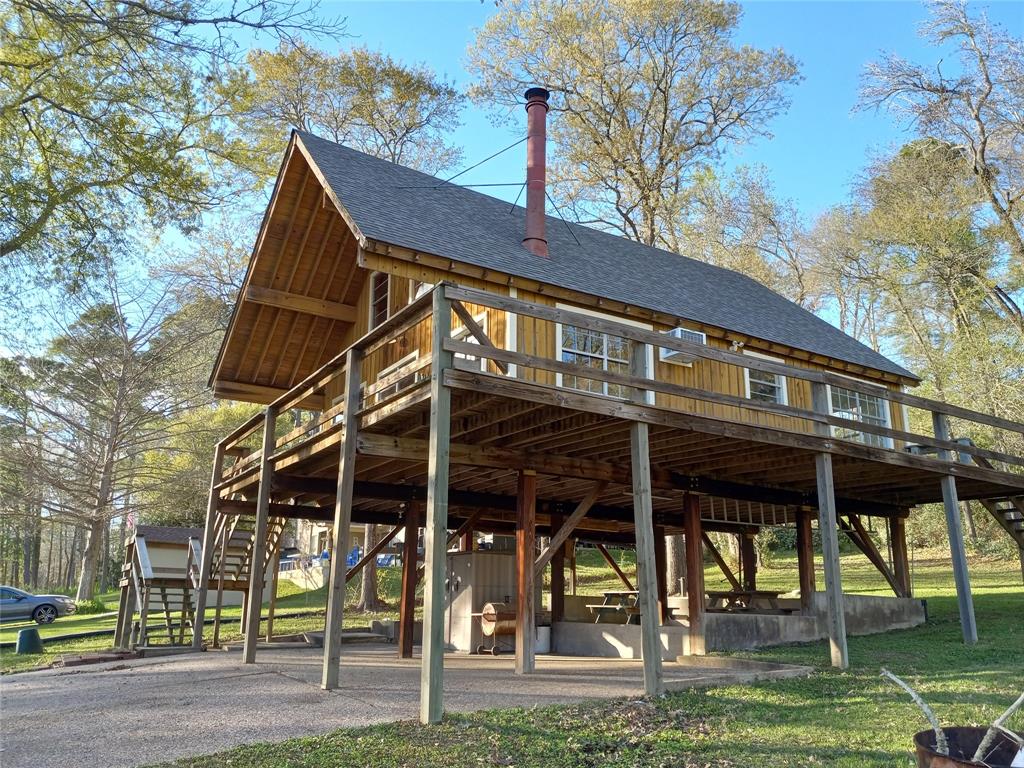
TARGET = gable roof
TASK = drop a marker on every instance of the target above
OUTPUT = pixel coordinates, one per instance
(404, 207)
(167, 534)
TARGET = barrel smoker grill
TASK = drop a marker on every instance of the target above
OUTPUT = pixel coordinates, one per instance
(497, 620)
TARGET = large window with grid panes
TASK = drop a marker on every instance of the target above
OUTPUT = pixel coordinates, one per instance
(857, 406)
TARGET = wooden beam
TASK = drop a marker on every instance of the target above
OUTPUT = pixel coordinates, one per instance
(209, 544)
(951, 504)
(720, 561)
(694, 574)
(862, 539)
(828, 528)
(307, 305)
(407, 609)
(257, 555)
(748, 560)
(478, 333)
(614, 566)
(526, 522)
(342, 522)
(900, 559)
(558, 538)
(435, 547)
(805, 561)
(372, 553)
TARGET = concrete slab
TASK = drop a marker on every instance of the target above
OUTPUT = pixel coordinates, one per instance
(140, 712)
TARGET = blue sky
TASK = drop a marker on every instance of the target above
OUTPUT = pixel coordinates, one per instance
(818, 145)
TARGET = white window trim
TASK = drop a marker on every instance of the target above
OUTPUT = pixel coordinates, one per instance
(512, 332)
(887, 442)
(462, 333)
(649, 363)
(784, 388)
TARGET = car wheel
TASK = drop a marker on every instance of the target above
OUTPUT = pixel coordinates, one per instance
(44, 614)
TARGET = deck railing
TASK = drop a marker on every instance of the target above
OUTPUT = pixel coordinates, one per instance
(645, 395)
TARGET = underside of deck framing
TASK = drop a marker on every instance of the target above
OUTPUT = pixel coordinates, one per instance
(741, 481)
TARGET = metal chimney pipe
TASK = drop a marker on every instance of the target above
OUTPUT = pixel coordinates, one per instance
(536, 170)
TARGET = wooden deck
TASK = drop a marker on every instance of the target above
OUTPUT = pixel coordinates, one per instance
(474, 437)
(745, 473)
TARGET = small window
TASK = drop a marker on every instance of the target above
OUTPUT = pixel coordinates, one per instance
(765, 387)
(380, 295)
(470, 362)
(418, 288)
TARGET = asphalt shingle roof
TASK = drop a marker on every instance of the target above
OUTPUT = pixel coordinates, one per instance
(400, 206)
(167, 534)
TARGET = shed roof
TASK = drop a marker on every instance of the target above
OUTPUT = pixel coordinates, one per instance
(167, 534)
(397, 205)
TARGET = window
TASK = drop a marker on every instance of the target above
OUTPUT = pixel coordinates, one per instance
(765, 387)
(380, 294)
(593, 349)
(417, 288)
(470, 362)
(856, 406)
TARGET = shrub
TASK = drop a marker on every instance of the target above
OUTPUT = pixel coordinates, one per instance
(89, 607)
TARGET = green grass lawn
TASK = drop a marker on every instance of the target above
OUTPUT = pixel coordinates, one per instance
(850, 719)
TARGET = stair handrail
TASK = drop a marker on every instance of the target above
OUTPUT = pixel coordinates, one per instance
(142, 556)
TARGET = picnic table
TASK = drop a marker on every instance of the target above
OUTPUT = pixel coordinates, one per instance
(617, 601)
(741, 599)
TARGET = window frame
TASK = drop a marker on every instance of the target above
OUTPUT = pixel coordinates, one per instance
(462, 333)
(559, 350)
(371, 323)
(783, 386)
(884, 440)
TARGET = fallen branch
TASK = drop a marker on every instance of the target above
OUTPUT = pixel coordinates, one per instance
(941, 745)
(997, 726)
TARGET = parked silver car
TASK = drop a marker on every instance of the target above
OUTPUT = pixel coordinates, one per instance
(43, 609)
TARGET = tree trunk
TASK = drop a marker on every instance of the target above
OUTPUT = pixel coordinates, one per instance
(969, 514)
(675, 562)
(90, 562)
(368, 598)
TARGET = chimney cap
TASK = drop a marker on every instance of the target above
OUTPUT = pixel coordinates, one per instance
(537, 93)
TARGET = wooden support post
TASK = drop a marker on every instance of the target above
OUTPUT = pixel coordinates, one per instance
(276, 560)
(956, 537)
(643, 524)
(209, 544)
(828, 527)
(526, 526)
(614, 566)
(660, 556)
(570, 546)
(342, 520)
(861, 537)
(557, 573)
(694, 573)
(125, 612)
(805, 560)
(254, 604)
(407, 610)
(225, 532)
(900, 558)
(435, 531)
(748, 560)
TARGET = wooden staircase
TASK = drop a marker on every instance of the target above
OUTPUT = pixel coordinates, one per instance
(149, 593)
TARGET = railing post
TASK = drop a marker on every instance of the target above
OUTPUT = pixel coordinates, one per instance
(436, 525)
(643, 523)
(206, 563)
(956, 536)
(805, 561)
(828, 527)
(254, 604)
(342, 519)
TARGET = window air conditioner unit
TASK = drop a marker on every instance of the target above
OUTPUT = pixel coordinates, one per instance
(675, 356)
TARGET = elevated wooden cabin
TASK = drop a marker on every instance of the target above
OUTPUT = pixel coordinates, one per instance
(461, 364)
